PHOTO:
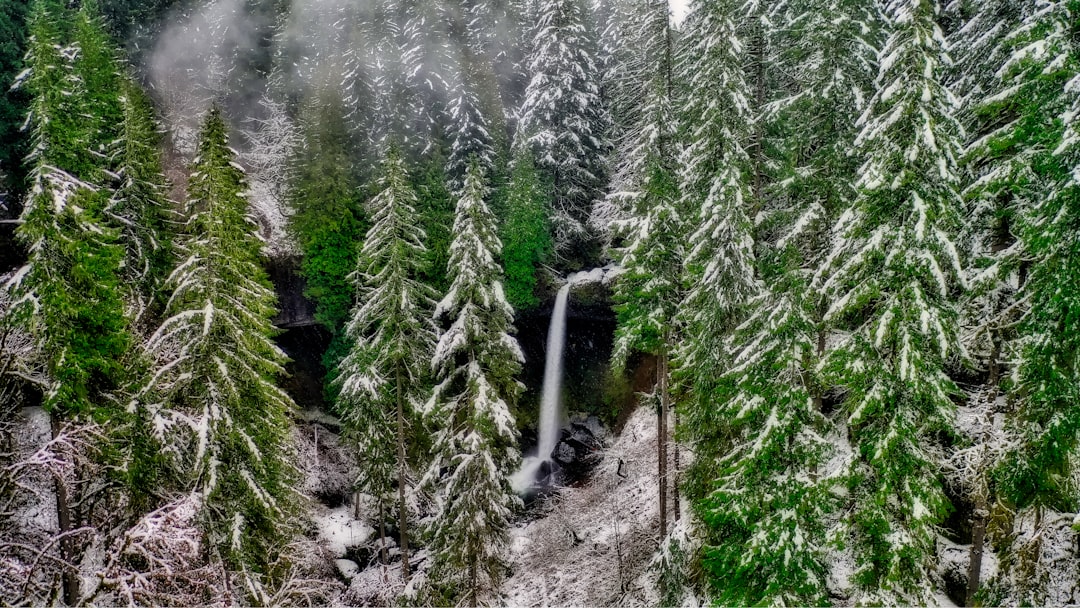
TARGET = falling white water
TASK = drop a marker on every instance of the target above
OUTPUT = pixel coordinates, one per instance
(550, 400)
(551, 397)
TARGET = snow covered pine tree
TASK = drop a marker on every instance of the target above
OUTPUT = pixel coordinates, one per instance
(219, 417)
(393, 337)
(475, 442)
(720, 263)
(893, 280)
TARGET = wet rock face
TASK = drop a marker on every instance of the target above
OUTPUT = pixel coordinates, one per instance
(305, 374)
(294, 310)
(580, 450)
(590, 333)
(12, 253)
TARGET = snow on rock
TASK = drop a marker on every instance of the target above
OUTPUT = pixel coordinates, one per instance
(384, 585)
(347, 568)
(596, 541)
(942, 601)
(269, 212)
(340, 531)
(37, 511)
(603, 275)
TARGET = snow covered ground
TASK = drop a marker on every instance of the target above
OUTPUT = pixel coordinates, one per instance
(594, 544)
(340, 531)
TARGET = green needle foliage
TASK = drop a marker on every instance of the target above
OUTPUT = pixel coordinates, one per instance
(69, 292)
(475, 440)
(139, 205)
(894, 282)
(392, 336)
(212, 399)
(13, 98)
(526, 234)
(327, 218)
(1043, 134)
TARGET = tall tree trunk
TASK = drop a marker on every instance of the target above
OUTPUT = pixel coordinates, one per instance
(69, 578)
(382, 532)
(473, 591)
(675, 469)
(402, 519)
(661, 438)
(978, 538)
(1002, 239)
(758, 59)
(982, 508)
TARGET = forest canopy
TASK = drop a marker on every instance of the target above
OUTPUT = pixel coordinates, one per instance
(270, 270)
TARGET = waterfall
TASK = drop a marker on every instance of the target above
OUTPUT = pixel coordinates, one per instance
(551, 396)
(550, 400)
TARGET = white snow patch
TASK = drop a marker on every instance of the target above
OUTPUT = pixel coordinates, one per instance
(347, 568)
(603, 275)
(340, 531)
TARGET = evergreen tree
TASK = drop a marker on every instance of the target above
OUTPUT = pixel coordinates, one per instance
(894, 276)
(495, 34)
(980, 46)
(831, 51)
(768, 508)
(425, 48)
(70, 283)
(1037, 475)
(435, 207)
(68, 295)
(648, 293)
(562, 118)
(139, 204)
(996, 173)
(326, 216)
(469, 135)
(96, 71)
(525, 232)
(476, 68)
(212, 399)
(1006, 135)
(475, 442)
(394, 101)
(719, 265)
(13, 100)
(392, 336)
(618, 59)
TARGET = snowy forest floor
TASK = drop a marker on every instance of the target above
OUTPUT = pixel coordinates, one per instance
(594, 543)
(586, 545)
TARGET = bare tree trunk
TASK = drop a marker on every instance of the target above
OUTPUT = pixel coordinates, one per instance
(661, 438)
(473, 591)
(758, 137)
(675, 473)
(69, 578)
(982, 508)
(382, 532)
(978, 536)
(402, 519)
